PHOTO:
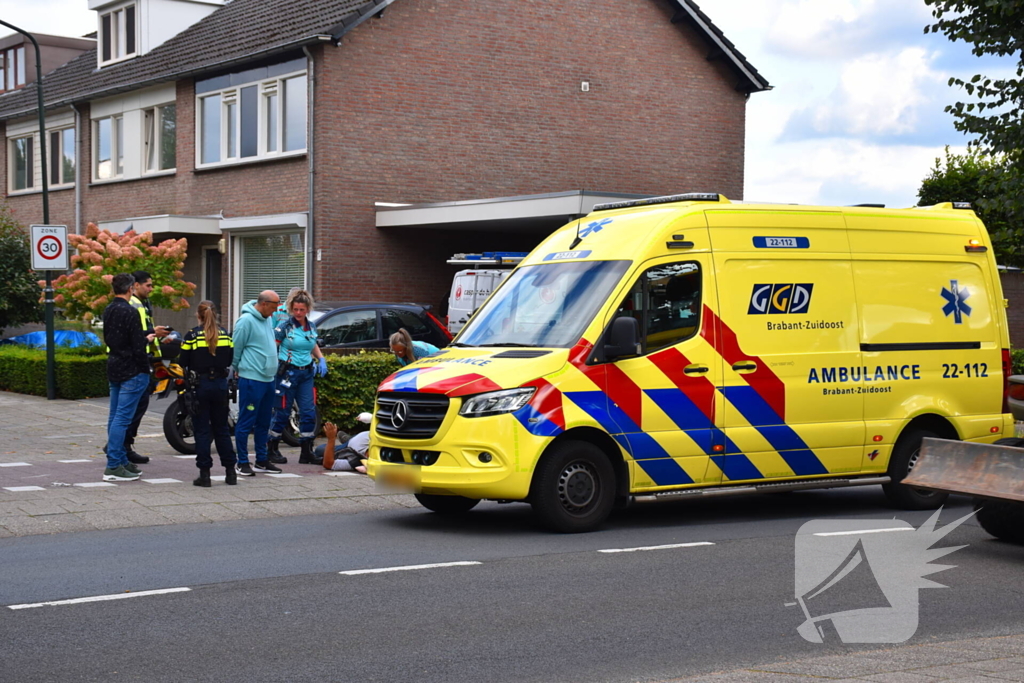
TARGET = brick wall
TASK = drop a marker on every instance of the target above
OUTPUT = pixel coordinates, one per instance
(438, 100)
(1013, 290)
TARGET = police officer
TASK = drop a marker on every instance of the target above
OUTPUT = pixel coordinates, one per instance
(207, 351)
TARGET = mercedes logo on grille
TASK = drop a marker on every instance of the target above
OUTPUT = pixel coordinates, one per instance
(400, 414)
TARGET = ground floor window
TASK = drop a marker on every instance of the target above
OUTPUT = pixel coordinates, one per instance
(274, 262)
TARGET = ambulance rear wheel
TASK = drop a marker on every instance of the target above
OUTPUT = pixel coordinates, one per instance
(904, 457)
(574, 488)
(446, 505)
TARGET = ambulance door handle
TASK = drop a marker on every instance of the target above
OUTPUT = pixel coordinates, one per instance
(695, 370)
(744, 366)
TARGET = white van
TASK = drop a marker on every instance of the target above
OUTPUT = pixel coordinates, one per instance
(470, 290)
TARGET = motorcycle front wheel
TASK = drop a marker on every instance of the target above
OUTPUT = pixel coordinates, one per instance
(178, 429)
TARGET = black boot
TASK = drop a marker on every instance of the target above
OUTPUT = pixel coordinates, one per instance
(274, 452)
(307, 456)
(230, 476)
(134, 457)
(203, 479)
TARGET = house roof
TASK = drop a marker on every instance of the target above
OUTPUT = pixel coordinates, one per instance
(246, 30)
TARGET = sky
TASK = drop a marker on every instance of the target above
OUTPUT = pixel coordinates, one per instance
(856, 113)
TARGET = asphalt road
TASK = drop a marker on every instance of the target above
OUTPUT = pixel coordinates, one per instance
(267, 601)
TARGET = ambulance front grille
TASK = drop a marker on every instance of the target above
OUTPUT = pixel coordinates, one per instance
(423, 414)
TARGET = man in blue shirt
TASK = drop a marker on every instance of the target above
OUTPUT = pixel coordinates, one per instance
(256, 366)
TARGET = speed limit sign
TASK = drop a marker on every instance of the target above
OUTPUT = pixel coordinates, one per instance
(49, 247)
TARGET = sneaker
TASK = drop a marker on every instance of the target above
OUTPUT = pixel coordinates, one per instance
(244, 469)
(268, 467)
(137, 458)
(119, 474)
(133, 468)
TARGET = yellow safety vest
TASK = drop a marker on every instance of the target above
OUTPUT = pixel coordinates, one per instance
(147, 324)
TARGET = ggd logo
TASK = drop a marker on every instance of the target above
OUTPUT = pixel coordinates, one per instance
(780, 299)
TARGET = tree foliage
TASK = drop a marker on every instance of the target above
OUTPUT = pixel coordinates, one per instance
(993, 27)
(19, 293)
(969, 178)
(102, 254)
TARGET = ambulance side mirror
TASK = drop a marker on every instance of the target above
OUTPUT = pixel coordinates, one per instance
(623, 338)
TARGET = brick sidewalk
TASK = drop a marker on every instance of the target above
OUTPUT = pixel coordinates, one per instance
(51, 465)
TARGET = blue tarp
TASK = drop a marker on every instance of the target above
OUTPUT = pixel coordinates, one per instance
(60, 338)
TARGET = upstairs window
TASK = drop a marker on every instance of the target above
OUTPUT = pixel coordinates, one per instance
(117, 34)
(12, 68)
(22, 163)
(108, 134)
(255, 120)
(62, 157)
(160, 125)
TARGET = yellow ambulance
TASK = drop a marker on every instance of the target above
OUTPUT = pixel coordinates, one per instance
(689, 346)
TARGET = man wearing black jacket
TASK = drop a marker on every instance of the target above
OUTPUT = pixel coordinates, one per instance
(128, 374)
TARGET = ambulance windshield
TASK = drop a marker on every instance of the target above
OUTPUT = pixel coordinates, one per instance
(545, 305)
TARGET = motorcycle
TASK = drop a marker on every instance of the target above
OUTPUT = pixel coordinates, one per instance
(178, 422)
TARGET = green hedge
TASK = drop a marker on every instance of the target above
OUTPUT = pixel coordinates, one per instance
(351, 384)
(1017, 357)
(80, 373)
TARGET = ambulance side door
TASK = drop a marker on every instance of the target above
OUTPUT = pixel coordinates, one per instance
(789, 338)
(664, 400)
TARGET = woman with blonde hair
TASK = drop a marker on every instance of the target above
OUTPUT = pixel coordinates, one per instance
(409, 351)
(299, 361)
(207, 351)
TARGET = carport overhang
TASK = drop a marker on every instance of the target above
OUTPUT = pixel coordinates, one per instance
(166, 224)
(537, 213)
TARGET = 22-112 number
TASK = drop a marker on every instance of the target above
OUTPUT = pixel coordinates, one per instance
(954, 371)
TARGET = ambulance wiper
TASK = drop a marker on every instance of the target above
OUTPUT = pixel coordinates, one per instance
(462, 345)
(526, 346)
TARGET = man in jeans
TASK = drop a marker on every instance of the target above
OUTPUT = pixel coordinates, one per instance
(128, 374)
(256, 367)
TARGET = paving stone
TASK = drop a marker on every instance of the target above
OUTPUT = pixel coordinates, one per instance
(900, 677)
(961, 674)
(831, 667)
(249, 510)
(1004, 664)
(294, 507)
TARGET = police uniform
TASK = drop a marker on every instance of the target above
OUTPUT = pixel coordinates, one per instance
(211, 395)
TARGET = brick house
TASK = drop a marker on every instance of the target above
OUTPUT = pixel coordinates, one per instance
(286, 139)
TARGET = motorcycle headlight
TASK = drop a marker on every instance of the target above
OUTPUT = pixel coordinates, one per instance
(497, 402)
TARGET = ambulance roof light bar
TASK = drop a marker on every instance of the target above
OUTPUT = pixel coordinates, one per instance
(668, 199)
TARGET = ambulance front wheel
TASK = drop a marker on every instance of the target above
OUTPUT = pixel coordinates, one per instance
(446, 505)
(904, 457)
(574, 488)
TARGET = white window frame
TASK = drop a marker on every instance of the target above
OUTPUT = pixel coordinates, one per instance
(50, 148)
(152, 126)
(11, 142)
(116, 151)
(232, 95)
(13, 68)
(119, 43)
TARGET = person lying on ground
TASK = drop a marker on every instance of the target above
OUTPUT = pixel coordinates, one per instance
(347, 457)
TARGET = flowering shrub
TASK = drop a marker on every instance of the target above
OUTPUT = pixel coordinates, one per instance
(102, 254)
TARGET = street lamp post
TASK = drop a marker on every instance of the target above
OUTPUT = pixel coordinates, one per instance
(51, 384)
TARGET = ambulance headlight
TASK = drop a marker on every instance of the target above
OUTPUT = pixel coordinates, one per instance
(497, 402)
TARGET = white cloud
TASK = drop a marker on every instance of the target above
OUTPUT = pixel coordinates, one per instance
(897, 96)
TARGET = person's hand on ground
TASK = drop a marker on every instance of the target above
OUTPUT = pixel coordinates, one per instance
(330, 430)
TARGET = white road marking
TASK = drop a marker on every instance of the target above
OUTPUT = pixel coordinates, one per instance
(863, 531)
(655, 547)
(342, 474)
(150, 436)
(64, 436)
(162, 481)
(220, 478)
(185, 457)
(100, 598)
(83, 460)
(94, 484)
(406, 568)
(23, 488)
(15, 464)
(283, 475)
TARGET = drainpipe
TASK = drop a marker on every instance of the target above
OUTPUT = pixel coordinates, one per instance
(310, 137)
(78, 170)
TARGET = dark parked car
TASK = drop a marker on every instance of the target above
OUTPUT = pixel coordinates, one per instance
(1017, 397)
(368, 325)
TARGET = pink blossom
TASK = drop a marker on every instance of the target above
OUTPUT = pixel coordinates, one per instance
(167, 290)
(108, 278)
(96, 269)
